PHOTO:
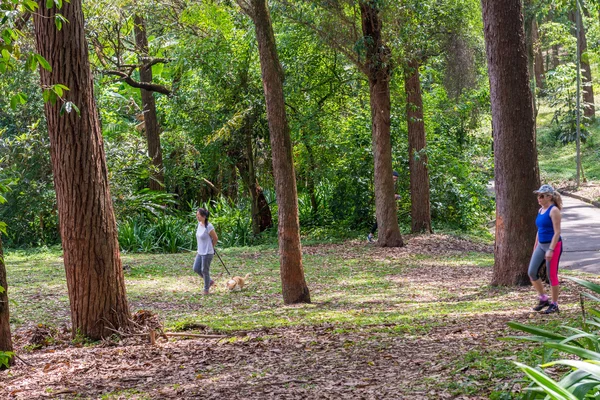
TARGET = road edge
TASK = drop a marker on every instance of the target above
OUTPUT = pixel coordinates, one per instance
(584, 199)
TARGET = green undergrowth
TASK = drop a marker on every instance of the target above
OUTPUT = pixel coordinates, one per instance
(557, 161)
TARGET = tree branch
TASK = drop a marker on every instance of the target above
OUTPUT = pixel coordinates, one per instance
(152, 87)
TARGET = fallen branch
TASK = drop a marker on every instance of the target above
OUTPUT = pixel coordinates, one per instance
(23, 361)
(284, 382)
(195, 335)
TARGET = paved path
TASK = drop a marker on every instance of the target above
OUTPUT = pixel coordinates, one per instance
(581, 236)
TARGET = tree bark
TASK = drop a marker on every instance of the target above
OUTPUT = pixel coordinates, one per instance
(379, 73)
(515, 156)
(5, 337)
(293, 283)
(555, 60)
(87, 223)
(538, 56)
(157, 180)
(589, 108)
(419, 175)
(260, 211)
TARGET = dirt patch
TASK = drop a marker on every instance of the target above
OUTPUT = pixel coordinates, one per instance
(590, 190)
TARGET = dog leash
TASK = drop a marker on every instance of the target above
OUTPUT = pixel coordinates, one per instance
(220, 259)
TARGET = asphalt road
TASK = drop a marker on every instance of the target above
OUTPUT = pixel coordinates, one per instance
(581, 236)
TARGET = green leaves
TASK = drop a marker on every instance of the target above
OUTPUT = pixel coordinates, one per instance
(584, 378)
(546, 383)
(59, 19)
(17, 99)
(53, 93)
(5, 357)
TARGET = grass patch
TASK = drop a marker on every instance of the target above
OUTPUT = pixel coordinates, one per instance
(369, 302)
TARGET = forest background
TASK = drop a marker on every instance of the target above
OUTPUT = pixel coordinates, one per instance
(204, 141)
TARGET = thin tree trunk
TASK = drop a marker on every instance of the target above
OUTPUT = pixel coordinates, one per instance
(555, 56)
(294, 285)
(157, 180)
(589, 109)
(538, 58)
(260, 211)
(5, 337)
(419, 175)
(515, 156)
(310, 179)
(87, 222)
(378, 65)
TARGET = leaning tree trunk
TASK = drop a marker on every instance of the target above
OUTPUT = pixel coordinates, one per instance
(157, 180)
(294, 285)
(515, 156)
(87, 222)
(379, 74)
(417, 159)
(5, 337)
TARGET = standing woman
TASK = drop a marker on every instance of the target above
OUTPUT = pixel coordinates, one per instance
(207, 240)
(548, 247)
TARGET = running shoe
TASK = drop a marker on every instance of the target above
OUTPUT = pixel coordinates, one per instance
(553, 308)
(541, 305)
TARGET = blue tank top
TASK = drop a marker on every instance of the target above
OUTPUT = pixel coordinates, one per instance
(544, 225)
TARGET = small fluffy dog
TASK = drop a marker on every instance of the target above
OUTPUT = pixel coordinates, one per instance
(237, 282)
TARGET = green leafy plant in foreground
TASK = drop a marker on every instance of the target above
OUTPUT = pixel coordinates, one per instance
(582, 381)
(5, 357)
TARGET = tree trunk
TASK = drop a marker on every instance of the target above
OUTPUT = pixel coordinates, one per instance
(378, 66)
(419, 176)
(589, 108)
(87, 222)
(5, 337)
(555, 61)
(538, 56)
(310, 178)
(260, 211)
(515, 156)
(157, 180)
(294, 285)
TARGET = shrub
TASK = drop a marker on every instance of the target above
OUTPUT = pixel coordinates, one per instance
(582, 381)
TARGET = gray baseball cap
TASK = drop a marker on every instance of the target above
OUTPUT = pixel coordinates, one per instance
(545, 189)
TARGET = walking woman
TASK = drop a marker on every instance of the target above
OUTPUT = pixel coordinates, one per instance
(548, 247)
(207, 240)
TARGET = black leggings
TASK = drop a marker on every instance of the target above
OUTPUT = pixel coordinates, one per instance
(374, 228)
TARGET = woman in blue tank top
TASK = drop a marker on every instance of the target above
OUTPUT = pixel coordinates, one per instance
(548, 247)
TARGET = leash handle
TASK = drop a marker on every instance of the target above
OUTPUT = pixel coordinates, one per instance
(220, 259)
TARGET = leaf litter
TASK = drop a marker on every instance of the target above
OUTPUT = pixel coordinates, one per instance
(320, 361)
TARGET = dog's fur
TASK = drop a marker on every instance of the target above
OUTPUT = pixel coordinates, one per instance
(237, 282)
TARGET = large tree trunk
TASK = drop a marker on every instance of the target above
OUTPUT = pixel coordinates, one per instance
(87, 223)
(294, 285)
(378, 66)
(515, 156)
(157, 180)
(419, 176)
(5, 337)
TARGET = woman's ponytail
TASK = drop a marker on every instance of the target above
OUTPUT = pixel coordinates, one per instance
(557, 200)
(204, 212)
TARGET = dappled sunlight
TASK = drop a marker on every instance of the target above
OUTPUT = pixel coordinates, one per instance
(404, 315)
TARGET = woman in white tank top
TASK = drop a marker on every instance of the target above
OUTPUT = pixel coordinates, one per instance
(207, 240)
